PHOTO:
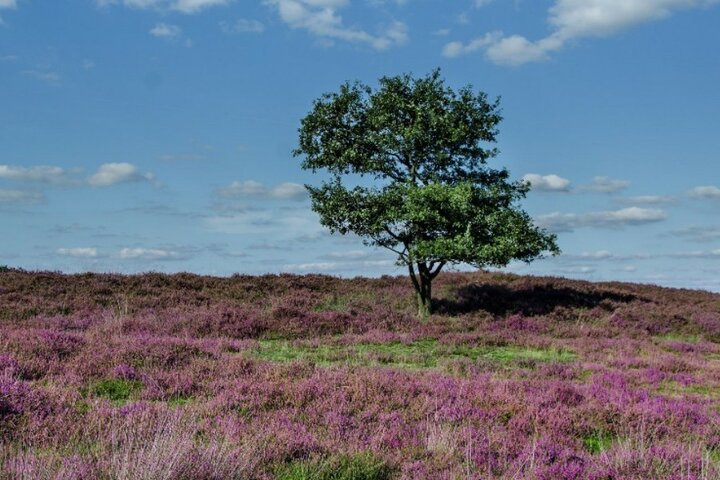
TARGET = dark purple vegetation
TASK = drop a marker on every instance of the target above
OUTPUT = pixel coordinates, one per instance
(189, 377)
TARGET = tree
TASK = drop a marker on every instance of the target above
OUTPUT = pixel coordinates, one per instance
(432, 198)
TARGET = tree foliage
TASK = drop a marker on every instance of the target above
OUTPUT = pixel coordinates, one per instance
(432, 199)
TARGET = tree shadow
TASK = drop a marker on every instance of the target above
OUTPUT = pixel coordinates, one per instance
(526, 300)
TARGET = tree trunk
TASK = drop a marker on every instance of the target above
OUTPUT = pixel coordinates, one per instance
(424, 299)
(422, 281)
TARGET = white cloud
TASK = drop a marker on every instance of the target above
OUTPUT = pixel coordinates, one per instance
(349, 255)
(709, 191)
(8, 4)
(699, 233)
(113, 173)
(548, 183)
(598, 255)
(41, 173)
(572, 19)
(276, 225)
(575, 270)
(194, 6)
(163, 30)
(516, 50)
(183, 6)
(288, 191)
(42, 75)
(564, 222)
(251, 188)
(79, 252)
(698, 254)
(605, 185)
(20, 196)
(320, 18)
(312, 267)
(242, 25)
(455, 49)
(339, 267)
(647, 199)
(149, 254)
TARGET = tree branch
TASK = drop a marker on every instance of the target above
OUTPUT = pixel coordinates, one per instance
(435, 272)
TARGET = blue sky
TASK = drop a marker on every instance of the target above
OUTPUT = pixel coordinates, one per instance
(142, 135)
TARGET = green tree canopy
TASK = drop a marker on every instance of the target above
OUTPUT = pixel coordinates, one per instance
(433, 199)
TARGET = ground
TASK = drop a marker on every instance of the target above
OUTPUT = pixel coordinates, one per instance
(313, 377)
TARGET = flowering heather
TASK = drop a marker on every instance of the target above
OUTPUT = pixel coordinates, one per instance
(313, 377)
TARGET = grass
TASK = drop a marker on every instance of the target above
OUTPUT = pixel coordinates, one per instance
(345, 467)
(334, 303)
(675, 388)
(427, 353)
(598, 442)
(114, 389)
(678, 337)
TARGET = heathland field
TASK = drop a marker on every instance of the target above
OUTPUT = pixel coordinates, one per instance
(313, 377)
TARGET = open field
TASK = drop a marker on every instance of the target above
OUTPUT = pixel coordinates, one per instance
(291, 377)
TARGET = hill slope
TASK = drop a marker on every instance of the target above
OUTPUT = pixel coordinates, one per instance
(185, 376)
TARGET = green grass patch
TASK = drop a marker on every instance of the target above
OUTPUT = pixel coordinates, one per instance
(677, 337)
(346, 467)
(114, 389)
(334, 303)
(179, 400)
(426, 353)
(597, 442)
(676, 388)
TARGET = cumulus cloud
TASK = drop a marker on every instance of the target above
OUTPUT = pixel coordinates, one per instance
(251, 188)
(547, 183)
(565, 222)
(114, 173)
(163, 30)
(78, 252)
(183, 6)
(149, 254)
(11, 196)
(40, 173)
(455, 49)
(709, 191)
(242, 25)
(573, 19)
(605, 185)
(320, 18)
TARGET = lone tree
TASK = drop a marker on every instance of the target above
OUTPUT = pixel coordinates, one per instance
(408, 172)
